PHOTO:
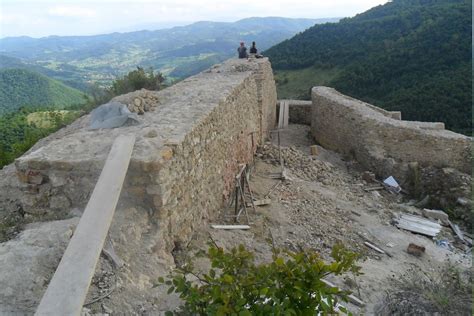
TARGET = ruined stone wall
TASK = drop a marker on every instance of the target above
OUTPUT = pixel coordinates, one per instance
(185, 158)
(381, 142)
(299, 111)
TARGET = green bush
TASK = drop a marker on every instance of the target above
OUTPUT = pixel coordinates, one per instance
(289, 285)
(136, 80)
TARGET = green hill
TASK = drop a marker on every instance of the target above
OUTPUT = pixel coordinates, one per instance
(176, 52)
(407, 55)
(21, 87)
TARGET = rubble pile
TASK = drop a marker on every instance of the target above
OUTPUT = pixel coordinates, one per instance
(140, 101)
(301, 165)
(319, 222)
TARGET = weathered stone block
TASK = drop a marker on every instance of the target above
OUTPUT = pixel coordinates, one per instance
(436, 214)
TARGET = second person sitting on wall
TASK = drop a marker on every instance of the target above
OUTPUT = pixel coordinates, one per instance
(254, 52)
(242, 50)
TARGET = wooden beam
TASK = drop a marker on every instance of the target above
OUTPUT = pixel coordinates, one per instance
(229, 227)
(68, 288)
(368, 244)
(352, 298)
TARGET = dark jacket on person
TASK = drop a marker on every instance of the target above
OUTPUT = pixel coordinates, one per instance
(253, 50)
(242, 52)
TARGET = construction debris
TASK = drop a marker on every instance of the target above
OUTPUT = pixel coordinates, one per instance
(368, 244)
(444, 243)
(378, 187)
(112, 115)
(262, 202)
(414, 249)
(459, 233)
(353, 299)
(271, 190)
(301, 165)
(229, 227)
(371, 245)
(109, 252)
(283, 114)
(368, 176)
(392, 185)
(242, 188)
(418, 225)
(436, 214)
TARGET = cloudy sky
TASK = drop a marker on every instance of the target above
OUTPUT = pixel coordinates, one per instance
(73, 17)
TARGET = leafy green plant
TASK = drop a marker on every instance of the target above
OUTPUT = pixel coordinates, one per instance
(291, 284)
(136, 80)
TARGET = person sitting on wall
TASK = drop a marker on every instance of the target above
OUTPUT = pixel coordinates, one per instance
(254, 52)
(253, 49)
(242, 50)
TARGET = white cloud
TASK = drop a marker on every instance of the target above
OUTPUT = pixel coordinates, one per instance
(72, 12)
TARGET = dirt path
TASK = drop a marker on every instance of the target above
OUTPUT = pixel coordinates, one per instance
(324, 203)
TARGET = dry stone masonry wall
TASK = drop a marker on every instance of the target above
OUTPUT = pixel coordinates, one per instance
(416, 153)
(185, 158)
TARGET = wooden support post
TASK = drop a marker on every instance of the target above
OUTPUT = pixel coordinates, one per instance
(68, 288)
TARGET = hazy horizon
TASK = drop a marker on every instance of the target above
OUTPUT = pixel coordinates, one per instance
(161, 26)
(76, 18)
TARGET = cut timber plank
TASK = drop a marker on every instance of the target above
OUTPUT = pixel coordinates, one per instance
(353, 299)
(230, 226)
(459, 233)
(109, 252)
(368, 244)
(262, 202)
(283, 115)
(67, 290)
(286, 114)
(280, 115)
(373, 188)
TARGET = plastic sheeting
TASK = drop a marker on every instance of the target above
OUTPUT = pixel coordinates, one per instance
(112, 115)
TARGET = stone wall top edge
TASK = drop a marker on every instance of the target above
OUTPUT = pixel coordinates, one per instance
(180, 109)
(296, 102)
(366, 110)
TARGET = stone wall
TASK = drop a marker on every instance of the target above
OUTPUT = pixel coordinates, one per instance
(299, 111)
(185, 158)
(382, 143)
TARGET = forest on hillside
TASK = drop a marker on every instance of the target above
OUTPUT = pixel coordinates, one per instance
(408, 55)
(20, 87)
(21, 129)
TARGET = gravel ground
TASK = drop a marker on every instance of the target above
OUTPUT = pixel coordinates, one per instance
(321, 202)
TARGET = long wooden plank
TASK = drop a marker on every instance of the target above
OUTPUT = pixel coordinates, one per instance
(353, 299)
(229, 227)
(281, 114)
(368, 244)
(68, 288)
(286, 114)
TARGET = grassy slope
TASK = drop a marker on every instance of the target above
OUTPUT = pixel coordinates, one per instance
(49, 119)
(20, 87)
(296, 84)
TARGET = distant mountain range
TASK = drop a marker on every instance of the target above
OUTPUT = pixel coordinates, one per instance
(408, 55)
(21, 87)
(177, 52)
